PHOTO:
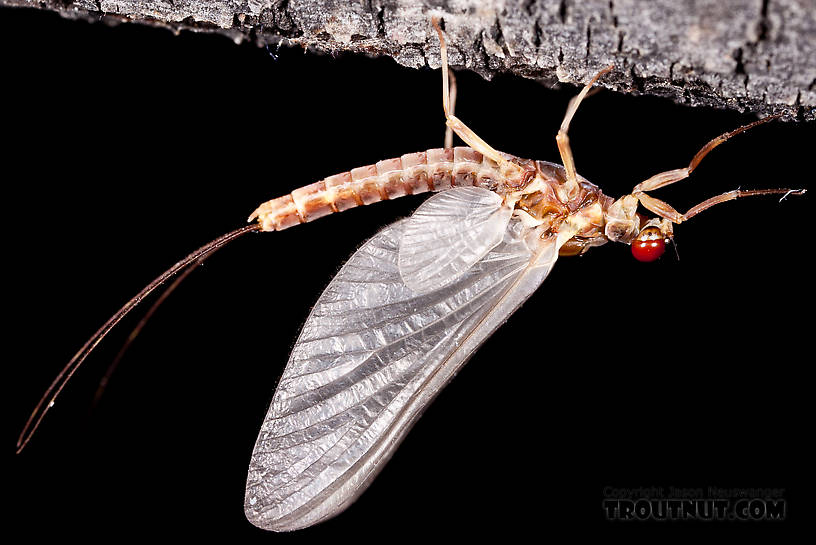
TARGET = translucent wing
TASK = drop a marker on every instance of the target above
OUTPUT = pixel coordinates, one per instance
(370, 358)
(448, 234)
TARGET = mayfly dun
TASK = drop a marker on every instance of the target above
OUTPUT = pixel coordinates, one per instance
(413, 303)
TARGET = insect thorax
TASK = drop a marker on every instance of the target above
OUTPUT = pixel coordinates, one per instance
(551, 201)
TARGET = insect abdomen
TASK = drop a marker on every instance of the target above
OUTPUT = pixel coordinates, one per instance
(431, 170)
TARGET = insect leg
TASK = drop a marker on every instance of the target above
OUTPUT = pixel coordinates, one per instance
(669, 177)
(666, 211)
(562, 139)
(448, 130)
(454, 123)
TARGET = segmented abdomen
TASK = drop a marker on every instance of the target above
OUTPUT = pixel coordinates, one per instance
(431, 170)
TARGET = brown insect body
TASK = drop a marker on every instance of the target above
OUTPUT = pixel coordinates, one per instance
(539, 188)
(432, 170)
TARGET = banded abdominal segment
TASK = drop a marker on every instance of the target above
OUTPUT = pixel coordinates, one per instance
(413, 173)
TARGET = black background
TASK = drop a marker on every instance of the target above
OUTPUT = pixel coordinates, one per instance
(128, 147)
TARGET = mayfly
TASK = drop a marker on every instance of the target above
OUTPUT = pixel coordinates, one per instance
(413, 303)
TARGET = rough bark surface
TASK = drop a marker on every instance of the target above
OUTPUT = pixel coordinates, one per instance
(756, 55)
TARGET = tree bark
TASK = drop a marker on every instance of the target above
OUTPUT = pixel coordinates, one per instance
(755, 55)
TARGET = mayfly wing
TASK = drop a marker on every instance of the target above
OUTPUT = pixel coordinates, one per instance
(448, 234)
(372, 355)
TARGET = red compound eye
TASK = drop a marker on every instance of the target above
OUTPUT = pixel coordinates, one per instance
(649, 245)
(648, 250)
